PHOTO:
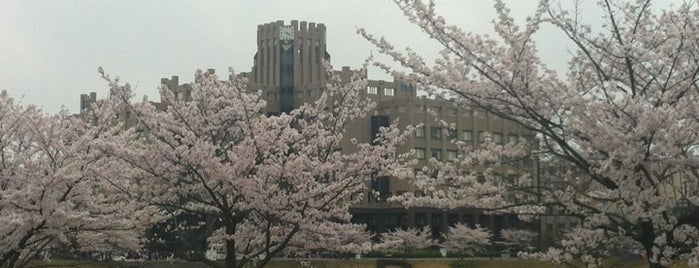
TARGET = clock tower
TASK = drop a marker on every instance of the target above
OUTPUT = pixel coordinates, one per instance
(288, 66)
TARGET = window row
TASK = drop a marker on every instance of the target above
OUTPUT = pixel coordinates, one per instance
(375, 91)
(420, 153)
(311, 94)
(385, 195)
(436, 153)
(453, 111)
(467, 135)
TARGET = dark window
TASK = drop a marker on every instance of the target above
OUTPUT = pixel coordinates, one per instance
(436, 153)
(271, 95)
(420, 219)
(379, 190)
(377, 122)
(451, 134)
(512, 179)
(436, 133)
(286, 81)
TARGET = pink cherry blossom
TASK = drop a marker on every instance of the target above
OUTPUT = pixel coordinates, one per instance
(623, 121)
(263, 185)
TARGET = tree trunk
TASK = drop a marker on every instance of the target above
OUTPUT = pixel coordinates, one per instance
(13, 259)
(646, 237)
(230, 254)
(230, 226)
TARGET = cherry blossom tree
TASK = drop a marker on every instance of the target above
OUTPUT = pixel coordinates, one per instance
(408, 239)
(624, 119)
(591, 246)
(262, 185)
(466, 240)
(50, 192)
(517, 239)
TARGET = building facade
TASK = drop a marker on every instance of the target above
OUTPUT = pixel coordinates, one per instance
(290, 69)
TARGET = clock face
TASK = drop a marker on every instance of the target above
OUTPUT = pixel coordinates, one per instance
(286, 33)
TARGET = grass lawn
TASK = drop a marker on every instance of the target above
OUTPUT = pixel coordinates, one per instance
(431, 263)
(468, 263)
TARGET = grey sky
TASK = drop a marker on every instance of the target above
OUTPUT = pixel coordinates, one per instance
(51, 49)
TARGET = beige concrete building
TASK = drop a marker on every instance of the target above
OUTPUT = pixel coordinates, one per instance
(289, 70)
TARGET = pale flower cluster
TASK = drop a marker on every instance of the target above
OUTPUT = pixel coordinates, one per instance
(623, 120)
(272, 184)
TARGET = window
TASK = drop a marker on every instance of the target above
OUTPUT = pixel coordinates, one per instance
(451, 134)
(388, 91)
(420, 132)
(436, 153)
(497, 137)
(420, 108)
(512, 138)
(466, 135)
(372, 90)
(451, 155)
(401, 109)
(419, 153)
(271, 95)
(436, 133)
(481, 136)
(512, 179)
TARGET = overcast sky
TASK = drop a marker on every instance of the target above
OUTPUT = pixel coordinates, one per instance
(50, 50)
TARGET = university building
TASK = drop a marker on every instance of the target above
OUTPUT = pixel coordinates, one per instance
(289, 70)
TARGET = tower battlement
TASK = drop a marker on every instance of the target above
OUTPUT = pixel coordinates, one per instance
(87, 100)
